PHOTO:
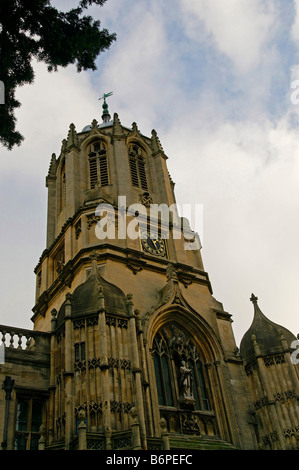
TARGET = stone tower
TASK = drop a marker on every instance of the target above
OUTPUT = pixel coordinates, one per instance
(130, 349)
(133, 319)
(272, 381)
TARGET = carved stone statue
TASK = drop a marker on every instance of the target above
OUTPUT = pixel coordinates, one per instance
(185, 382)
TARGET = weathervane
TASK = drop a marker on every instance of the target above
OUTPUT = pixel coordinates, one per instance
(106, 95)
(106, 116)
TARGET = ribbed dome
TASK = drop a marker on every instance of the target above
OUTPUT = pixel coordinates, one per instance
(267, 335)
(103, 124)
(85, 298)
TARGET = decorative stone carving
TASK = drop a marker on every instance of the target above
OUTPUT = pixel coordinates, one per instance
(190, 424)
(272, 360)
(146, 199)
(97, 407)
(91, 219)
(260, 403)
(177, 342)
(171, 273)
(117, 322)
(134, 263)
(93, 363)
(78, 228)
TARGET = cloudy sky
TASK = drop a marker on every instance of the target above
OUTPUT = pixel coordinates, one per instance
(214, 78)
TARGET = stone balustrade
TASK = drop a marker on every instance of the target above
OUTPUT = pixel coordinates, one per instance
(20, 338)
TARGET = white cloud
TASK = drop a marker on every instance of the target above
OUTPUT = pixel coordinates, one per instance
(246, 175)
(140, 68)
(295, 27)
(240, 29)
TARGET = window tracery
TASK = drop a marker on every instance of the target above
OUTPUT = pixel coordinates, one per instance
(179, 371)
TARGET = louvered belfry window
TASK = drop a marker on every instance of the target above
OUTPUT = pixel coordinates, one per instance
(98, 165)
(137, 167)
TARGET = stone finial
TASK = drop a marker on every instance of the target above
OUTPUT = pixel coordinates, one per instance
(81, 416)
(52, 170)
(53, 319)
(136, 440)
(63, 146)
(130, 298)
(82, 444)
(135, 128)
(253, 299)
(156, 144)
(72, 138)
(164, 434)
(53, 165)
(94, 124)
(94, 256)
(117, 127)
(68, 306)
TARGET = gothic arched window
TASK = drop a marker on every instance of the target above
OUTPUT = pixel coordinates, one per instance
(137, 167)
(179, 371)
(163, 373)
(199, 388)
(98, 165)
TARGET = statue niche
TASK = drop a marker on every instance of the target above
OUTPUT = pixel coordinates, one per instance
(178, 346)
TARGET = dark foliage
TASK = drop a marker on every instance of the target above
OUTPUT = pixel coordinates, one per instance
(35, 29)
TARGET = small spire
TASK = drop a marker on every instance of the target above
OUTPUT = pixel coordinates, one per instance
(106, 116)
(94, 256)
(72, 138)
(52, 168)
(156, 144)
(117, 127)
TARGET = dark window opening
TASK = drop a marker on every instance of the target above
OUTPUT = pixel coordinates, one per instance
(98, 165)
(80, 354)
(28, 422)
(137, 167)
